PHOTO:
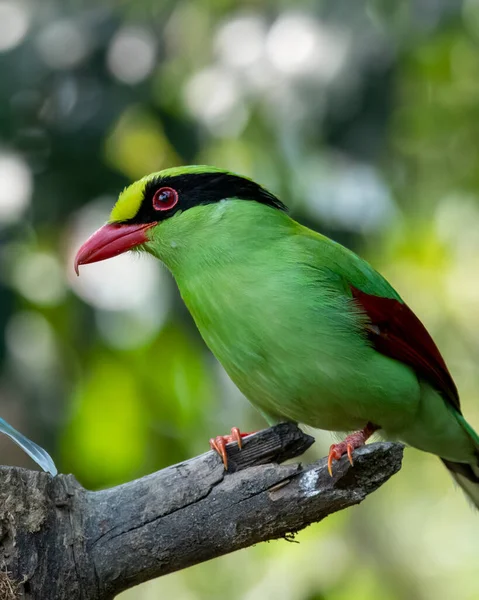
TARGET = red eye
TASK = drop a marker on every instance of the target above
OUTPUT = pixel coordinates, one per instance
(165, 198)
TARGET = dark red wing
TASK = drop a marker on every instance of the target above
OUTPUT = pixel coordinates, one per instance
(396, 332)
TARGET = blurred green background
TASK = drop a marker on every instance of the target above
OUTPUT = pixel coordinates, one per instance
(364, 118)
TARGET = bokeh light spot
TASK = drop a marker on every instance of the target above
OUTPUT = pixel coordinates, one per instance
(131, 54)
(30, 341)
(213, 96)
(63, 44)
(14, 23)
(15, 187)
(126, 329)
(38, 276)
(137, 144)
(240, 41)
(349, 196)
(299, 45)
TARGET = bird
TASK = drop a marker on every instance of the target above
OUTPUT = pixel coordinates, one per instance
(307, 330)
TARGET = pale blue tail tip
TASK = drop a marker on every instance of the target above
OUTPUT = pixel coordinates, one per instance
(39, 455)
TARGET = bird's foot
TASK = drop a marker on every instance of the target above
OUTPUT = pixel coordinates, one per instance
(218, 444)
(352, 441)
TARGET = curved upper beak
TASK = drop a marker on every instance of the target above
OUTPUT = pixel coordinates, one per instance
(110, 240)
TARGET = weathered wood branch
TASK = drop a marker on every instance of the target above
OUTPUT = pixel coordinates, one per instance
(59, 541)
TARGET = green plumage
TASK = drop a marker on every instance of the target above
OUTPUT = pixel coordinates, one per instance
(272, 299)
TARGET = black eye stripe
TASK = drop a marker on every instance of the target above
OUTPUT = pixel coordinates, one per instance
(195, 189)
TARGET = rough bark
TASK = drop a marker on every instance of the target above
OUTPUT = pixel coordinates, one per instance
(59, 541)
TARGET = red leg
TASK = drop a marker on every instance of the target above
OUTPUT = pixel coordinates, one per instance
(352, 441)
(218, 444)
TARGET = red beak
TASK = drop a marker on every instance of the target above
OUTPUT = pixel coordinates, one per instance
(111, 240)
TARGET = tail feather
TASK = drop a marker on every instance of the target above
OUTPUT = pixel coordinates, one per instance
(466, 475)
(39, 455)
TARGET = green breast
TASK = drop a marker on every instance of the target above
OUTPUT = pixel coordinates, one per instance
(287, 341)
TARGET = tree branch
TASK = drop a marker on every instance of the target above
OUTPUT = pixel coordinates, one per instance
(60, 541)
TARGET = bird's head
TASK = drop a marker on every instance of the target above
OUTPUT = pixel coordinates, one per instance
(145, 205)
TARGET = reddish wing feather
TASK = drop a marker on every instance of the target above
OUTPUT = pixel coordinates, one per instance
(396, 332)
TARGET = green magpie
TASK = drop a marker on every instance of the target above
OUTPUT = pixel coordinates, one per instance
(306, 329)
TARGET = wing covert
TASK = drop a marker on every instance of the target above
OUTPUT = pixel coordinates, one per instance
(395, 331)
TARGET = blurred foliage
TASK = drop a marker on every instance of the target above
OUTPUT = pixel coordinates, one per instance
(363, 117)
